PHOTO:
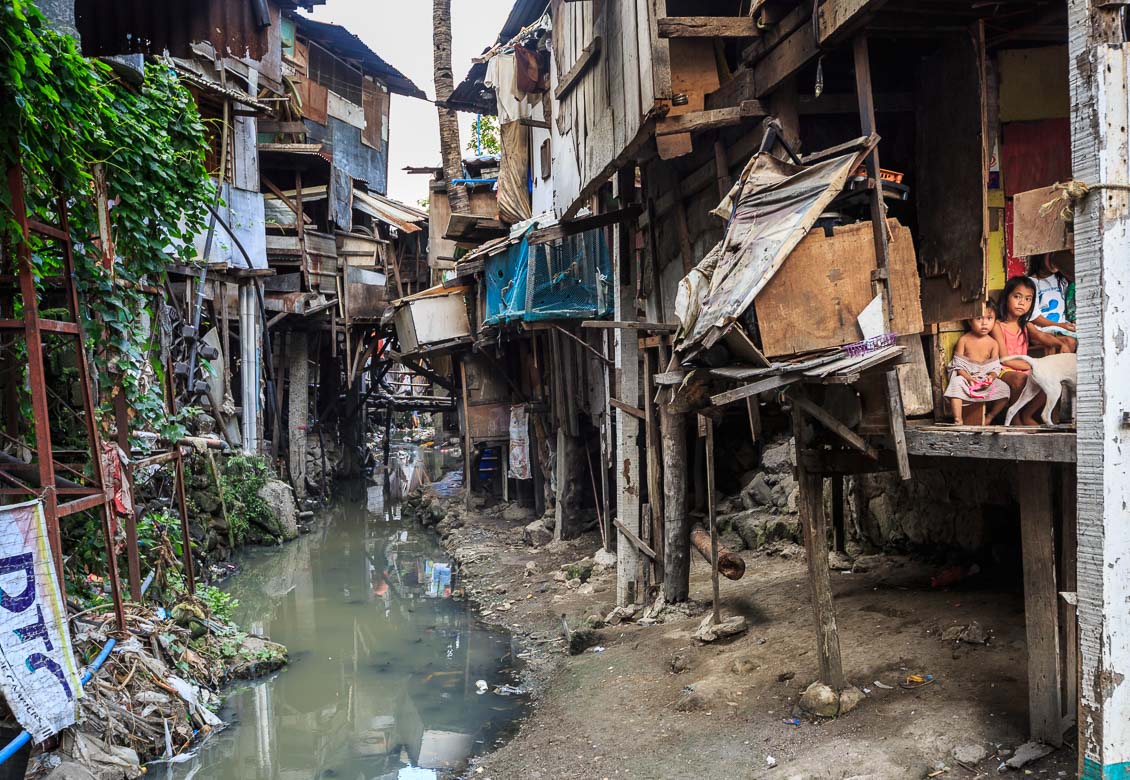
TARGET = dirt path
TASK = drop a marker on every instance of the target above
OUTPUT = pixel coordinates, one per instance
(626, 712)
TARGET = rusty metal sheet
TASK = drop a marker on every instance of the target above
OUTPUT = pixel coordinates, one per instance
(489, 421)
(109, 27)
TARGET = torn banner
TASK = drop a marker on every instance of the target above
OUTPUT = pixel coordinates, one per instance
(38, 675)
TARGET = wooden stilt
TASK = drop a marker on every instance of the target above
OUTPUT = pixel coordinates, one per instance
(839, 535)
(1068, 619)
(467, 481)
(710, 516)
(626, 342)
(1041, 616)
(654, 468)
(814, 523)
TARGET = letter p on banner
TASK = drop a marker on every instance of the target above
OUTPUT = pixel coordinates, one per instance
(38, 675)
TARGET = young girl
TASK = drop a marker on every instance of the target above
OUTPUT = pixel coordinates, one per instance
(1013, 334)
(976, 367)
(1054, 329)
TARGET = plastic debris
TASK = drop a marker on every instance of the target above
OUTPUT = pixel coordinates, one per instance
(481, 687)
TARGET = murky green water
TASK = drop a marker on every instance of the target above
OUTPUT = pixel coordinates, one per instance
(384, 662)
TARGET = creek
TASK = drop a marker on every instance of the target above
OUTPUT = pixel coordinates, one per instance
(385, 658)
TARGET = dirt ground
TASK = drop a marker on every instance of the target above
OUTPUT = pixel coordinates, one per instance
(626, 712)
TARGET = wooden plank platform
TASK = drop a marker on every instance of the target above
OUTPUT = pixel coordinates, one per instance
(1049, 445)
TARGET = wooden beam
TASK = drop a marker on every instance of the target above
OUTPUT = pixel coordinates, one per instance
(708, 27)
(667, 378)
(635, 540)
(267, 126)
(836, 20)
(566, 83)
(992, 443)
(778, 32)
(628, 408)
(881, 281)
(755, 388)
(698, 121)
(563, 229)
(1041, 612)
(815, 525)
(825, 418)
(657, 327)
(283, 197)
(541, 124)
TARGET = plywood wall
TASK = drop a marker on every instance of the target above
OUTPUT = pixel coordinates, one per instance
(602, 113)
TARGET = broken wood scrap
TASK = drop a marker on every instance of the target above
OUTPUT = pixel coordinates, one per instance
(730, 564)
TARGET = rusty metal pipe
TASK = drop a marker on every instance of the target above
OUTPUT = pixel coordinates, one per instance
(730, 564)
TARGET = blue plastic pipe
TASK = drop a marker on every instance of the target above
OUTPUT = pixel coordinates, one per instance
(474, 181)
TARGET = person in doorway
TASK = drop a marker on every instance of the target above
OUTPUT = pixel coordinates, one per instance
(1054, 330)
(976, 368)
(1013, 334)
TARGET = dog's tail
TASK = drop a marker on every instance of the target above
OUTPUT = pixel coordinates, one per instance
(1024, 358)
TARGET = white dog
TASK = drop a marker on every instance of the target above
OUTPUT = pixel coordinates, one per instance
(1049, 374)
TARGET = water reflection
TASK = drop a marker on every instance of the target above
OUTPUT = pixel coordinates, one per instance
(384, 662)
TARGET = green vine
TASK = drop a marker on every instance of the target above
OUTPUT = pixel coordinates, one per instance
(70, 113)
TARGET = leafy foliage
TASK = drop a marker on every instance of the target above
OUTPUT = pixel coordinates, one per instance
(486, 127)
(70, 114)
(221, 605)
(242, 479)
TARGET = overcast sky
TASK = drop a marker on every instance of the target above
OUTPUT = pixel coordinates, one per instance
(400, 31)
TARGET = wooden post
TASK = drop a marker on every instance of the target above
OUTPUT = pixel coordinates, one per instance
(298, 409)
(467, 481)
(626, 345)
(815, 526)
(881, 281)
(838, 531)
(710, 516)
(1068, 620)
(1041, 615)
(676, 520)
(1098, 70)
(654, 469)
(562, 475)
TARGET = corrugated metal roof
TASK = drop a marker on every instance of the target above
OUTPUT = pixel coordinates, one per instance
(110, 27)
(471, 94)
(342, 43)
(388, 211)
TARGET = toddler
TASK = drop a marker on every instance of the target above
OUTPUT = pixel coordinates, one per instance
(976, 367)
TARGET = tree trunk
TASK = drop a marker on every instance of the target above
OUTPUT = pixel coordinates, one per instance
(448, 123)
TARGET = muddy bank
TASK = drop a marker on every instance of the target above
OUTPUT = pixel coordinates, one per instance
(647, 700)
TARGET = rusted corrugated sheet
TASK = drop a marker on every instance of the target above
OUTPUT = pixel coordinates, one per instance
(342, 43)
(109, 27)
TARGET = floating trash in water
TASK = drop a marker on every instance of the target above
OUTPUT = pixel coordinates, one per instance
(481, 687)
(510, 690)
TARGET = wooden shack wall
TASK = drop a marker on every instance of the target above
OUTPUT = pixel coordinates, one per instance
(602, 109)
(441, 252)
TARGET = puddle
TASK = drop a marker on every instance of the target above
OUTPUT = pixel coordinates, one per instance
(385, 664)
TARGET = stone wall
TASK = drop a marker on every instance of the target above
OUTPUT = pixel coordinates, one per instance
(956, 505)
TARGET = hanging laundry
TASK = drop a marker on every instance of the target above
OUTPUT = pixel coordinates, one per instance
(531, 70)
(502, 78)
